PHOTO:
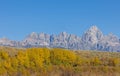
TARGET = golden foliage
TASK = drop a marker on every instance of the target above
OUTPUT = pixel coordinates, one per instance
(44, 61)
(65, 57)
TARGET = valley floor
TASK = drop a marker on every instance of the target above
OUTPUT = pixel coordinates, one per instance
(57, 62)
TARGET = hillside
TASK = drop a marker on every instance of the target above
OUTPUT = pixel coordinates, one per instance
(57, 62)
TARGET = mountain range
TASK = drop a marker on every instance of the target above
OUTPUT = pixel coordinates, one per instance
(92, 39)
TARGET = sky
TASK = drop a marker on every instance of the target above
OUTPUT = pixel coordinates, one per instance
(19, 18)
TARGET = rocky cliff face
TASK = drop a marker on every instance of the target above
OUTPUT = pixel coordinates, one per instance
(92, 39)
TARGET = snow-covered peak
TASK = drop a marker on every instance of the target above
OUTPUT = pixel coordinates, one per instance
(33, 35)
(92, 35)
(94, 28)
(92, 39)
(63, 33)
(4, 39)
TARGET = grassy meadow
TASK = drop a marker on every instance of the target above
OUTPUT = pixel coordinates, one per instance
(57, 62)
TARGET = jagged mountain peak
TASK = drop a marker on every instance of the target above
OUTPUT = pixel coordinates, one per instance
(4, 38)
(110, 37)
(41, 34)
(94, 28)
(33, 35)
(92, 39)
(63, 34)
(93, 34)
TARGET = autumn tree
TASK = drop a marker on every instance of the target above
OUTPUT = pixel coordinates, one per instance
(59, 56)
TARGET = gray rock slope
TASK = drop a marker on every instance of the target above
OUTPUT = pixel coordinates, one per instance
(92, 39)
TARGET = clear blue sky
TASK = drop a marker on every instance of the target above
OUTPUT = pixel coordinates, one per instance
(18, 18)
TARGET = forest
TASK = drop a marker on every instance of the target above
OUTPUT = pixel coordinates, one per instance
(57, 62)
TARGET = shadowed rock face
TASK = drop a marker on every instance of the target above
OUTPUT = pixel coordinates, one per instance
(92, 39)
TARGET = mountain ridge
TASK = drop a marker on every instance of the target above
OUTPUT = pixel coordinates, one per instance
(92, 39)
